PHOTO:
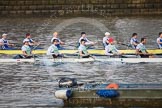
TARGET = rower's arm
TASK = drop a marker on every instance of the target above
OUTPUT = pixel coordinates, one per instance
(32, 43)
(134, 43)
(158, 41)
(10, 44)
(62, 43)
(1, 43)
(24, 53)
(80, 53)
(138, 52)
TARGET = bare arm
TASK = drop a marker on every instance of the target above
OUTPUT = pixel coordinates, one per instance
(62, 43)
(146, 53)
(80, 53)
(25, 54)
(158, 41)
(10, 44)
(1, 43)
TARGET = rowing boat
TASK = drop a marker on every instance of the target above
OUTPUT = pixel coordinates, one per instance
(75, 60)
(153, 51)
(38, 60)
(132, 60)
(127, 95)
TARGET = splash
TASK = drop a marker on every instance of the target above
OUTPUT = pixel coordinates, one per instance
(90, 21)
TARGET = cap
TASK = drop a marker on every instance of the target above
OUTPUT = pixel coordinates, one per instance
(4, 34)
(83, 33)
(28, 34)
(55, 40)
(107, 33)
(110, 40)
(25, 40)
(82, 40)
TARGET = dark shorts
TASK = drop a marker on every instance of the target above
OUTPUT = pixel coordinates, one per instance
(144, 56)
(87, 56)
(18, 56)
(56, 56)
(28, 57)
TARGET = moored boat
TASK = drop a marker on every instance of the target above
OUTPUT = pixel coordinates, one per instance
(127, 95)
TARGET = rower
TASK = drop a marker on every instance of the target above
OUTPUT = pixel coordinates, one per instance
(105, 42)
(133, 41)
(83, 53)
(111, 49)
(55, 36)
(141, 49)
(159, 40)
(87, 42)
(32, 43)
(53, 49)
(26, 50)
(4, 43)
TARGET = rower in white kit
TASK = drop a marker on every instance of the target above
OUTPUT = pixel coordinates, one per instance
(88, 43)
(5, 44)
(110, 49)
(55, 36)
(26, 51)
(83, 53)
(105, 39)
(53, 49)
(142, 51)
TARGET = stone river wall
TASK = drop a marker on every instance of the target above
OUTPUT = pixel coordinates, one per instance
(81, 7)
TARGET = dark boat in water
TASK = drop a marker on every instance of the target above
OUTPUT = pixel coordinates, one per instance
(125, 95)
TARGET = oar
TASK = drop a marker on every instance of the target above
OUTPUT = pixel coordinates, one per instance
(33, 50)
(127, 45)
(18, 45)
(85, 82)
(92, 57)
(71, 82)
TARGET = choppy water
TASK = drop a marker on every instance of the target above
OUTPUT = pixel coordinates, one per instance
(33, 85)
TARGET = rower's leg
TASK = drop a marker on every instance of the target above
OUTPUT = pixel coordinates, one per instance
(54, 56)
(18, 56)
(87, 56)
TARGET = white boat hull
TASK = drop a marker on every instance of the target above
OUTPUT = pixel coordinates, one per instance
(75, 60)
(132, 60)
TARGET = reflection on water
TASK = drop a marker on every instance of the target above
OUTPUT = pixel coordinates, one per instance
(33, 85)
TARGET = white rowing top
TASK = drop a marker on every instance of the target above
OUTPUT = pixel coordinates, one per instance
(141, 47)
(105, 41)
(52, 50)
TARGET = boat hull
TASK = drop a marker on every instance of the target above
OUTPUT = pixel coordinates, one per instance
(75, 60)
(127, 98)
(130, 95)
(41, 60)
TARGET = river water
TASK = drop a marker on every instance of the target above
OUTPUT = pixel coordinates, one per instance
(28, 85)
